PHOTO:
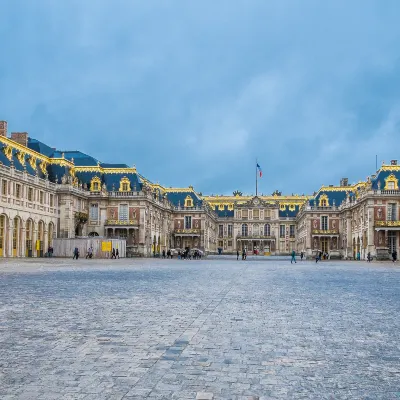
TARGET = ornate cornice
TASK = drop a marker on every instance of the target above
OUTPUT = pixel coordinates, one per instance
(32, 154)
(179, 190)
(101, 170)
(390, 168)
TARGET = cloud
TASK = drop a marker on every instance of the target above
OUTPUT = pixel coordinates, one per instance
(193, 92)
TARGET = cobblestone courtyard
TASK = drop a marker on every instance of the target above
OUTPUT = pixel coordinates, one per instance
(162, 329)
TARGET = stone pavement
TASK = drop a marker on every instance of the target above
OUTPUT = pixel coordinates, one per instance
(210, 329)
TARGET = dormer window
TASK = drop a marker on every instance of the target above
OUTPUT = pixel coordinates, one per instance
(391, 183)
(323, 201)
(188, 201)
(95, 184)
(124, 185)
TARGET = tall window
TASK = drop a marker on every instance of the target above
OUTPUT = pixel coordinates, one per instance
(18, 191)
(245, 230)
(324, 223)
(51, 200)
(256, 214)
(230, 230)
(390, 185)
(188, 222)
(282, 231)
(220, 230)
(41, 197)
(94, 211)
(123, 212)
(392, 212)
(291, 231)
(4, 188)
(323, 203)
(30, 194)
(267, 230)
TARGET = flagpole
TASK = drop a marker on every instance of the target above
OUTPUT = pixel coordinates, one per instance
(256, 179)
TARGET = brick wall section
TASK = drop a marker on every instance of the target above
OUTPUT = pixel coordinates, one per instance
(20, 137)
(3, 128)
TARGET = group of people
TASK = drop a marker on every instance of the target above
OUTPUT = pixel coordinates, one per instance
(89, 254)
(115, 253)
(244, 254)
(188, 255)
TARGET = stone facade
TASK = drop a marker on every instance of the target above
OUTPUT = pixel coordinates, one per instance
(46, 193)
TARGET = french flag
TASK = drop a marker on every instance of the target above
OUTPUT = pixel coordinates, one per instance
(259, 170)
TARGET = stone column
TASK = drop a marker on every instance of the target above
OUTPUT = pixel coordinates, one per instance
(23, 242)
(10, 239)
(34, 239)
(45, 241)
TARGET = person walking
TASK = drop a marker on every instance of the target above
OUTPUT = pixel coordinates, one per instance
(369, 257)
(76, 254)
(293, 257)
(89, 253)
(117, 253)
(394, 256)
(317, 257)
(113, 254)
(237, 255)
(301, 256)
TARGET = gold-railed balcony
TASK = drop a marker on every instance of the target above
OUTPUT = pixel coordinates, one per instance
(116, 222)
(187, 231)
(387, 224)
(325, 231)
(256, 237)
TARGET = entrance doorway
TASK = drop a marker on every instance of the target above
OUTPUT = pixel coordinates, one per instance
(324, 245)
(392, 241)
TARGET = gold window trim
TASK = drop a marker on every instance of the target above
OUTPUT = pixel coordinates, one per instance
(323, 198)
(188, 201)
(125, 181)
(94, 180)
(391, 178)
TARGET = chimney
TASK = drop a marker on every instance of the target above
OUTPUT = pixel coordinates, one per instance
(20, 137)
(344, 182)
(393, 162)
(3, 128)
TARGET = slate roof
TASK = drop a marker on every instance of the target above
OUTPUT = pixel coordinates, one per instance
(178, 197)
(382, 175)
(289, 213)
(17, 165)
(223, 213)
(40, 147)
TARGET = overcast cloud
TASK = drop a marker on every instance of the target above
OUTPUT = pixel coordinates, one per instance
(192, 92)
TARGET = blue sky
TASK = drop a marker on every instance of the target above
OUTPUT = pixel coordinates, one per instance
(193, 91)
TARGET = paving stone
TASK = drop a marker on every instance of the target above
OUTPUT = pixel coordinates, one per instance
(204, 396)
(162, 329)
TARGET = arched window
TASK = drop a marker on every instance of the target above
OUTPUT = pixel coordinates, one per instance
(245, 230)
(267, 230)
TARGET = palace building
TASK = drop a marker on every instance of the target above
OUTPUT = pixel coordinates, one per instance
(46, 193)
